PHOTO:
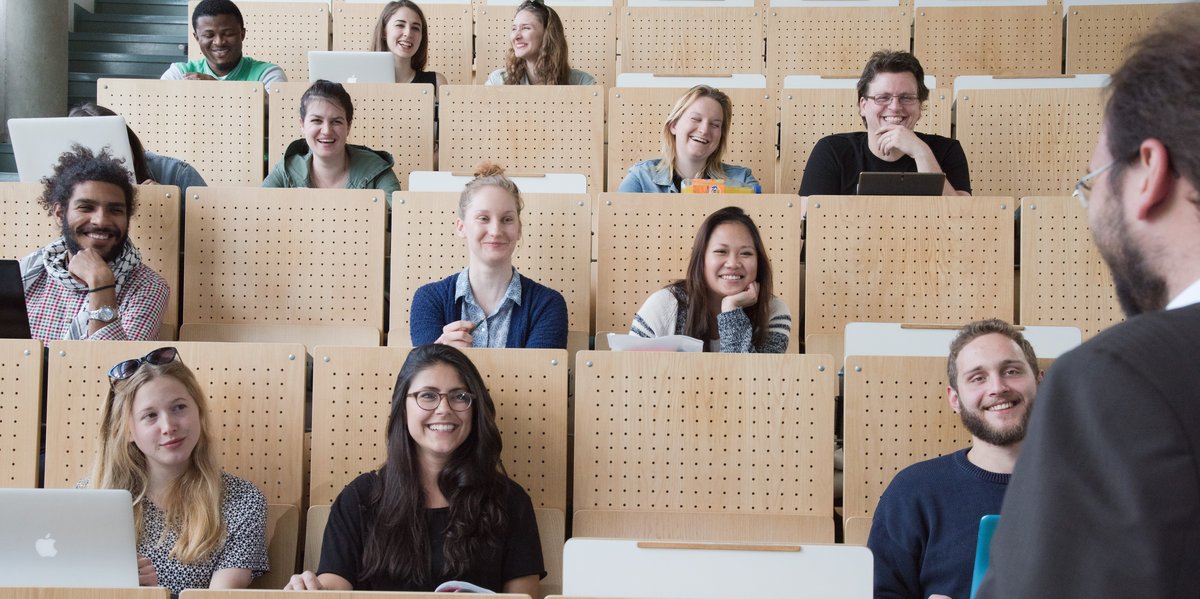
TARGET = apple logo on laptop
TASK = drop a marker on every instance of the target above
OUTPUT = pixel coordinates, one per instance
(352, 79)
(45, 547)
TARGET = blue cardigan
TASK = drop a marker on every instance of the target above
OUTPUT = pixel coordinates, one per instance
(539, 322)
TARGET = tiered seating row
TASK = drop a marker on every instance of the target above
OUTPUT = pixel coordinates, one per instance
(772, 38)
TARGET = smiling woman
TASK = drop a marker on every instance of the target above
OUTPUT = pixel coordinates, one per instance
(538, 54)
(402, 30)
(197, 527)
(441, 507)
(489, 304)
(694, 139)
(323, 159)
(726, 299)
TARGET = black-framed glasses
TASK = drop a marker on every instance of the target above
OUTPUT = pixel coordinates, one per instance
(429, 400)
(885, 99)
(1085, 184)
(125, 369)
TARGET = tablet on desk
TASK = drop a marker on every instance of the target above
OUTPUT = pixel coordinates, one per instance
(901, 184)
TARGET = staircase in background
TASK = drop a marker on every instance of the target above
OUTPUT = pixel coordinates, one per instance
(124, 38)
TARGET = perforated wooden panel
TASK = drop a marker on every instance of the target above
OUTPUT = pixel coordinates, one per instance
(896, 414)
(645, 241)
(255, 397)
(525, 128)
(154, 230)
(1025, 142)
(217, 127)
(591, 40)
(908, 259)
(807, 115)
(704, 432)
(1098, 35)
(1064, 281)
(554, 250)
(702, 526)
(87, 593)
(674, 40)
(989, 40)
(635, 124)
(397, 119)
(20, 411)
(448, 27)
(284, 256)
(279, 32)
(830, 41)
(352, 394)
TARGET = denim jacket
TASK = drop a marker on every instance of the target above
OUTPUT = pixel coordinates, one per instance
(645, 178)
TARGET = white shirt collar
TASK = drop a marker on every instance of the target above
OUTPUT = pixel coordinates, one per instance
(1189, 296)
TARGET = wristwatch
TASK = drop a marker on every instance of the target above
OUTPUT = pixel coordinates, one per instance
(105, 314)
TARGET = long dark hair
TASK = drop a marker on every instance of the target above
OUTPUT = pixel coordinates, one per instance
(473, 481)
(700, 322)
(379, 40)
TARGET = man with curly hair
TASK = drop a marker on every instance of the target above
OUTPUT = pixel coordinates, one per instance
(90, 283)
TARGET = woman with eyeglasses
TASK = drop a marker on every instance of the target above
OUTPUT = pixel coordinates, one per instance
(197, 526)
(891, 92)
(441, 507)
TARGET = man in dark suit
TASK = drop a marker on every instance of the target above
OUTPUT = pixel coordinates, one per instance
(1105, 499)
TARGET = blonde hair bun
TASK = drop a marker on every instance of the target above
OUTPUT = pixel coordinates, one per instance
(488, 168)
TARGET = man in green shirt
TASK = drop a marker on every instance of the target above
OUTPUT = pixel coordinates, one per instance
(218, 27)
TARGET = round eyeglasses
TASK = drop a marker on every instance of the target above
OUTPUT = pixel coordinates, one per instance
(429, 400)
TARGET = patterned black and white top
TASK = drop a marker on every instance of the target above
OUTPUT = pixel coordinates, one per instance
(244, 513)
(665, 313)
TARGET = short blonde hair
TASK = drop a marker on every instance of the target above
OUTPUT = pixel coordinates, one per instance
(712, 166)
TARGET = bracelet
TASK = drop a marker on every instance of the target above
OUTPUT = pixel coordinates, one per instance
(102, 288)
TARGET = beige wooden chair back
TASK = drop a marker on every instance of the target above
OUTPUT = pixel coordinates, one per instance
(829, 41)
(378, 123)
(1023, 142)
(554, 250)
(646, 239)
(907, 259)
(21, 409)
(681, 40)
(896, 414)
(1097, 35)
(719, 436)
(278, 32)
(285, 256)
(255, 397)
(1064, 281)
(807, 115)
(217, 127)
(86, 593)
(352, 393)
(591, 38)
(283, 534)
(635, 125)
(524, 128)
(154, 230)
(989, 40)
(448, 26)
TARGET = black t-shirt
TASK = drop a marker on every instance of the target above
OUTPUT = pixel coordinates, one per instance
(349, 520)
(836, 161)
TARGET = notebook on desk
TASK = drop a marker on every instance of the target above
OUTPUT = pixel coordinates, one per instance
(351, 67)
(67, 538)
(14, 320)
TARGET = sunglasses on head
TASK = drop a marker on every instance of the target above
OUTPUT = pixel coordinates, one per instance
(126, 369)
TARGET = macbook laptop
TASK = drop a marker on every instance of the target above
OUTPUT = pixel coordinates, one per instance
(38, 143)
(351, 67)
(901, 184)
(67, 538)
(14, 321)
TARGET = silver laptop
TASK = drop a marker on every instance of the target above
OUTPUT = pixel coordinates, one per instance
(38, 143)
(351, 67)
(67, 538)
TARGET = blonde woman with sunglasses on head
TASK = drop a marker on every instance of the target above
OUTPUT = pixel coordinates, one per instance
(198, 527)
